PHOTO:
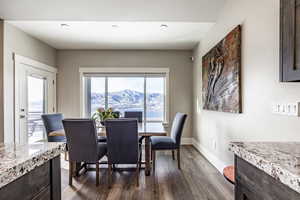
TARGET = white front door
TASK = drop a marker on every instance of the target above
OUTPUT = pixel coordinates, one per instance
(34, 96)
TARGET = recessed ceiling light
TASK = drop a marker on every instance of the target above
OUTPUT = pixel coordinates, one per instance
(115, 26)
(64, 25)
(164, 26)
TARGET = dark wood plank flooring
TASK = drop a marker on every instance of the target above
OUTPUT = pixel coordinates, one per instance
(198, 180)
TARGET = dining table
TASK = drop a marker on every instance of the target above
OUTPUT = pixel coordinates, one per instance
(146, 130)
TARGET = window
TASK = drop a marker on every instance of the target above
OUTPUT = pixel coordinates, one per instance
(126, 92)
(97, 94)
(155, 102)
(36, 102)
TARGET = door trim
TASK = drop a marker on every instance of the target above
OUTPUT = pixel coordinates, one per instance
(33, 63)
(18, 62)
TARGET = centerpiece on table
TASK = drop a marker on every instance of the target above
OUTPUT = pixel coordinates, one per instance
(102, 114)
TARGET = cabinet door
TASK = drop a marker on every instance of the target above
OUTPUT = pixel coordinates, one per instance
(254, 184)
(29, 185)
(43, 195)
(289, 40)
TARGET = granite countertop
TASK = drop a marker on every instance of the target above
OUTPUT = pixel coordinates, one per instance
(281, 160)
(17, 160)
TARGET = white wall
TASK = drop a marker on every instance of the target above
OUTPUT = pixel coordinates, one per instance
(260, 83)
(1, 79)
(16, 41)
(181, 92)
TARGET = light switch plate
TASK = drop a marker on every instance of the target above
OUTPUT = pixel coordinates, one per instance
(290, 109)
(294, 109)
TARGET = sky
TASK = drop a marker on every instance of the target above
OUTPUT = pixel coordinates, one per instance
(35, 89)
(115, 84)
(35, 93)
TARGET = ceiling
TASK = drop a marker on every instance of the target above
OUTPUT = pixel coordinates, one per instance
(111, 10)
(116, 35)
(92, 24)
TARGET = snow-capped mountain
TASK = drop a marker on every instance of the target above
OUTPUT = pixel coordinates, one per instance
(128, 99)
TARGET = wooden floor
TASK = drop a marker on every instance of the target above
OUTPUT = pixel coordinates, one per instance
(198, 179)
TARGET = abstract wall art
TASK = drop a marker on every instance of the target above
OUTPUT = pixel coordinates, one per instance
(221, 75)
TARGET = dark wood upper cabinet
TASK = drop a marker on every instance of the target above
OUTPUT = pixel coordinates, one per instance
(289, 40)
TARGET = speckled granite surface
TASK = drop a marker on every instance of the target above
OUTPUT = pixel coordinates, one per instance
(280, 160)
(17, 160)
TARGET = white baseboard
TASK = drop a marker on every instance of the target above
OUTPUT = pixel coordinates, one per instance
(214, 160)
(186, 141)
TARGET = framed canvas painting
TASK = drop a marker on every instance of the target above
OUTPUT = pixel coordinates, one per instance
(221, 75)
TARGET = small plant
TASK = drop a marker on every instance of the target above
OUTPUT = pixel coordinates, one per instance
(101, 115)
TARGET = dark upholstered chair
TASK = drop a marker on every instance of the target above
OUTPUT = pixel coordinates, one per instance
(122, 143)
(100, 138)
(169, 142)
(53, 122)
(134, 115)
(83, 144)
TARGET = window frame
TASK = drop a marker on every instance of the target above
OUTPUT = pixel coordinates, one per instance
(123, 72)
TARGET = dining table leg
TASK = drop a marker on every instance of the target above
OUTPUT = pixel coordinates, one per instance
(147, 156)
(77, 168)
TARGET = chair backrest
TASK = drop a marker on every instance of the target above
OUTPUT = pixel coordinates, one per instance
(134, 115)
(81, 139)
(122, 141)
(177, 127)
(53, 122)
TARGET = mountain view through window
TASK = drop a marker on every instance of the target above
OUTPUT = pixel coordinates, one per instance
(128, 94)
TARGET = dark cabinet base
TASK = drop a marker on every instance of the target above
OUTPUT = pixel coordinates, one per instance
(254, 184)
(42, 183)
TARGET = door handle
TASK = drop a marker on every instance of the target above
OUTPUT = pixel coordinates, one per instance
(22, 116)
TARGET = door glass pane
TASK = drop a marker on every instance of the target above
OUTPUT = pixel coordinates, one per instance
(126, 94)
(97, 93)
(297, 40)
(155, 88)
(36, 107)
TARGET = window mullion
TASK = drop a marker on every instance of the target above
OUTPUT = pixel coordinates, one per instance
(106, 92)
(145, 99)
(88, 97)
(165, 100)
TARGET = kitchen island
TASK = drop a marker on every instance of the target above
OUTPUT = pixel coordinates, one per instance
(266, 170)
(30, 171)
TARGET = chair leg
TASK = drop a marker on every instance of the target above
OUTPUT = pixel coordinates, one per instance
(97, 173)
(173, 154)
(140, 160)
(109, 175)
(153, 159)
(178, 158)
(137, 174)
(66, 156)
(70, 172)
